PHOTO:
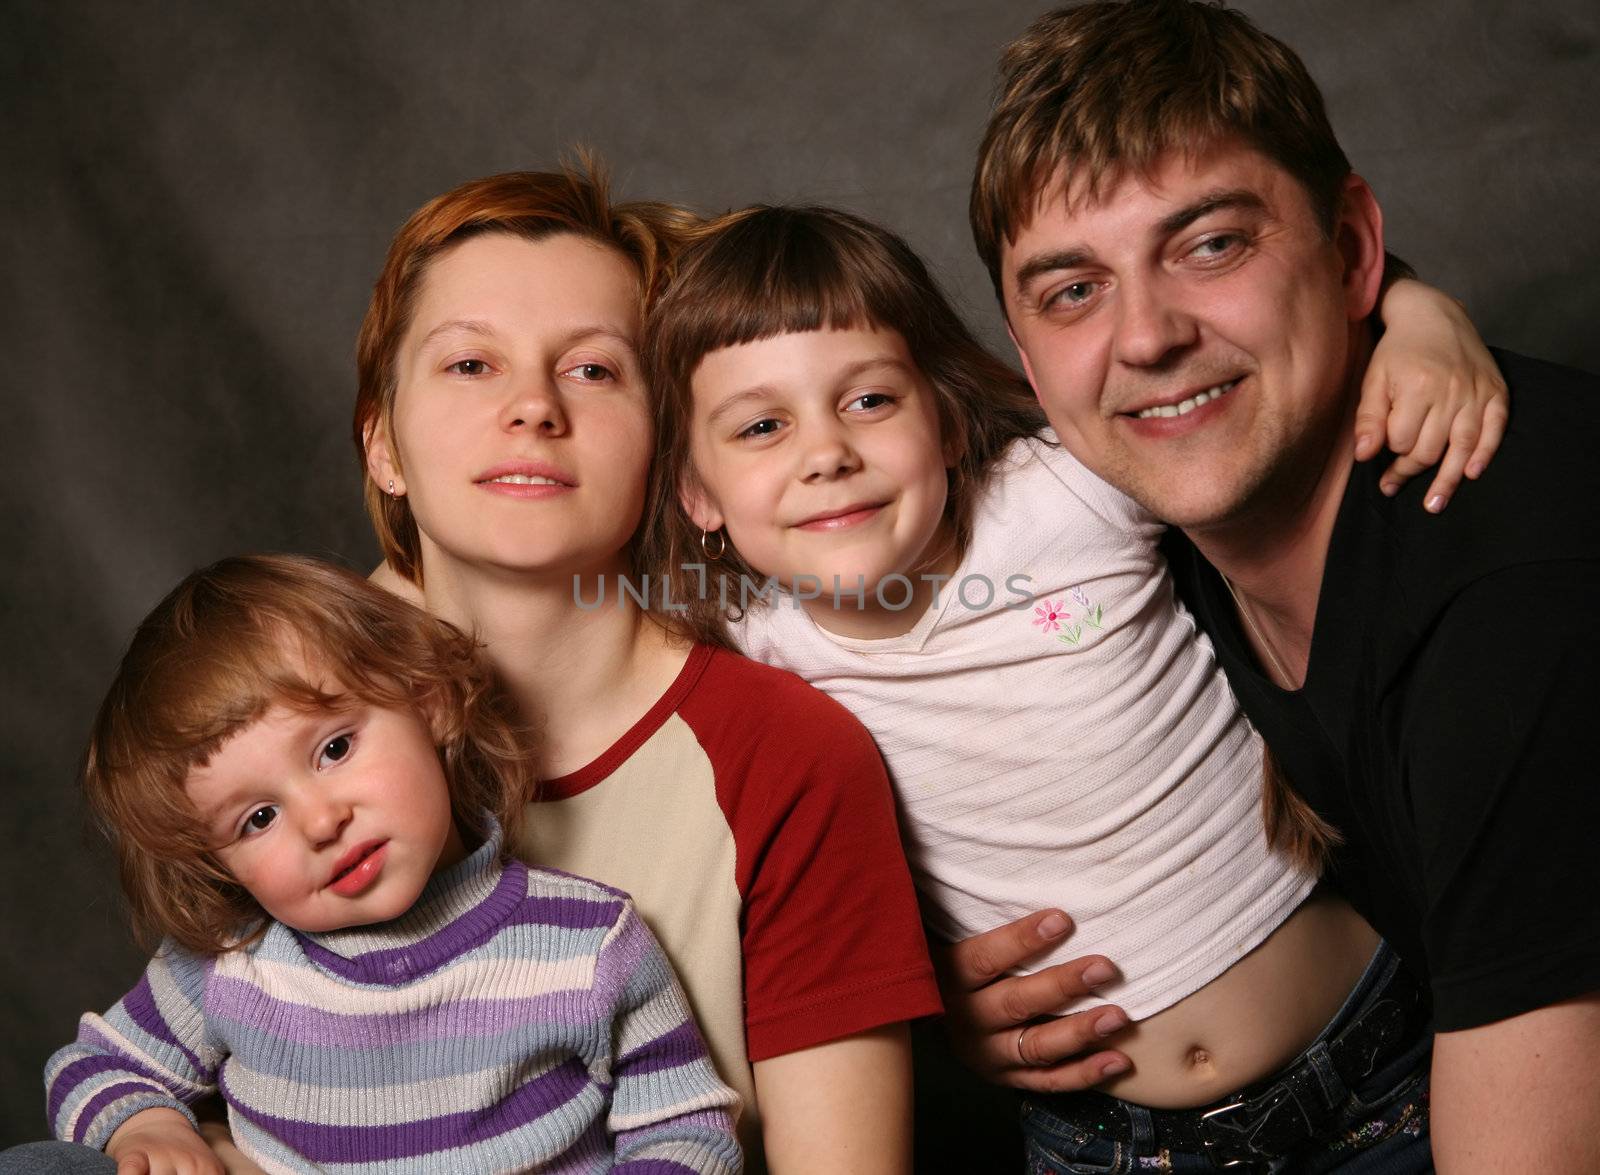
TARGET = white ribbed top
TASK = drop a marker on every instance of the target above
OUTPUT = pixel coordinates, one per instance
(1083, 751)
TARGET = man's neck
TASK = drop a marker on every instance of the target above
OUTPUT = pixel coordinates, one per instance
(1273, 557)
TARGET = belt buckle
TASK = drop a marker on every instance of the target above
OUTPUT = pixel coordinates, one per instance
(1217, 1146)
(1251, 1142)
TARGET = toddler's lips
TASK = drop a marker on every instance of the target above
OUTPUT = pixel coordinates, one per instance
(359, 868)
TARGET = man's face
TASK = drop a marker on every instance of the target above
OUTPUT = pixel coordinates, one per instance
(1192, 333)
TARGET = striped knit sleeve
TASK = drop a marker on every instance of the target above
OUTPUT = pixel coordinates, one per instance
(670, 1113)
(149, 1051)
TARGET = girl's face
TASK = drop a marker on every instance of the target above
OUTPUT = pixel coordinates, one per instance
(330, 818)
(520, 415)
(820, 452)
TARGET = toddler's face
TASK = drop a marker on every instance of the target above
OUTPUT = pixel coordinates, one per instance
(329, 819)
(820, 452)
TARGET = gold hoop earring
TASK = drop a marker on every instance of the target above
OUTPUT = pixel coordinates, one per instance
(705, 544)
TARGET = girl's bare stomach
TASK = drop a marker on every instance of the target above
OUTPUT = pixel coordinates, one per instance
(1253, 1018)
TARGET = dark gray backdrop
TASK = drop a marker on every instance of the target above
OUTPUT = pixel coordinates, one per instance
(198, 196)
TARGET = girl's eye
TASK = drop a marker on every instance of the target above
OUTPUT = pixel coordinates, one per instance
(260, 819)
(590, 373)
(761, 428)
(469, 367)
(334, 750)
(867, 401)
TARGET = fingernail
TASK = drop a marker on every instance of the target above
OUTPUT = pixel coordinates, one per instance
(1110, 1022)
(1053, 926)
(1096, 974)
(1475, 469)
(1435, 503)
(1112, 1067)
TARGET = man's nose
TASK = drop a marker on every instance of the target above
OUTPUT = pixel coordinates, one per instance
(1150, 325)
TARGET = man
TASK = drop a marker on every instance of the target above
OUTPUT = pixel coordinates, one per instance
(1188, 267)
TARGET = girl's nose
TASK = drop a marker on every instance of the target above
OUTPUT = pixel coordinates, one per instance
(827, 454)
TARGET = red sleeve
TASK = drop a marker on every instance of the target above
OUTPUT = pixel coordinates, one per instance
(833, 944)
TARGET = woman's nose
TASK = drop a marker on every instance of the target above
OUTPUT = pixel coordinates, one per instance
(534, 403)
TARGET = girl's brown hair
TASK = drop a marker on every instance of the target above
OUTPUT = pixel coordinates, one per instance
(766, 271)
(527, 204)
(227, 643)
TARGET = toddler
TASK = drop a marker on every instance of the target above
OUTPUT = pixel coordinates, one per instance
(309, 785)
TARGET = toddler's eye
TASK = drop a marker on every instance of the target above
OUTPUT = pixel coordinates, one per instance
(334, 750)
(260, 819)
(469, 367)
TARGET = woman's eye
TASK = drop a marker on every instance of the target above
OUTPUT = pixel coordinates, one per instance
(260, 819)
(761, 428)
(590, 372)
(334, 750)
(469, 367)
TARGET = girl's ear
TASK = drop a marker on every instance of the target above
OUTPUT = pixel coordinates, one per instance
(383, 465)
(698, 504)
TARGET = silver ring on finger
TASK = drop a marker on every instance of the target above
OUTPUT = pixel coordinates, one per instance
(1022, 1057)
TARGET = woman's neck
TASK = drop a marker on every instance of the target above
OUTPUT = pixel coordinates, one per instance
(581, 676)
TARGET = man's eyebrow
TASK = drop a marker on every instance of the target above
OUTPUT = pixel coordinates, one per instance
(1239, 198)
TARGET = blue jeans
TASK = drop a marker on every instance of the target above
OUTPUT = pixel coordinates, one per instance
(54, 1158)
(1379, 1128)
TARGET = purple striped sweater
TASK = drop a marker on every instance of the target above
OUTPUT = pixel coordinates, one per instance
(514, 1019)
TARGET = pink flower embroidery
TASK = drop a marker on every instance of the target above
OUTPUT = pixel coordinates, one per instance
(1049, 616)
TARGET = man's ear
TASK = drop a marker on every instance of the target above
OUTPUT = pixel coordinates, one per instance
(1359, 237)
(698, 505)
(383, 465)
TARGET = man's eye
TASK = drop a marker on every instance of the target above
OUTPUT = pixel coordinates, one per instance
(260, 819)
(1073, 294)
(761, 428)
(334, 750)
(1218, 246)
(469, 367)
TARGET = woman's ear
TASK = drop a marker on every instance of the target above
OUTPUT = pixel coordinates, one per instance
(383, 465)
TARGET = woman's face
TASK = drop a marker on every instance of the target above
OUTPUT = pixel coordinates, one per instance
(521, 418)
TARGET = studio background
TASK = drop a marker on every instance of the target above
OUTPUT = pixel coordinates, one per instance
(199, 195)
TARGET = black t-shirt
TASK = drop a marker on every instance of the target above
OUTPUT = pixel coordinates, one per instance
(1447, 726)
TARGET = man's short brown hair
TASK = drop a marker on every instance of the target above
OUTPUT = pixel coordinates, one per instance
(1102, 89)
(227, 643)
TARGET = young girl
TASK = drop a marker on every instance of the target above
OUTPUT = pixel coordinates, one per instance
(309, 787)
(1003, 623)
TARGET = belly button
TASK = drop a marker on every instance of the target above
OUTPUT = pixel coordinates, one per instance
(1199, 1058)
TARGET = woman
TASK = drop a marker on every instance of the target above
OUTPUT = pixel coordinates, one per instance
(505, 431)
